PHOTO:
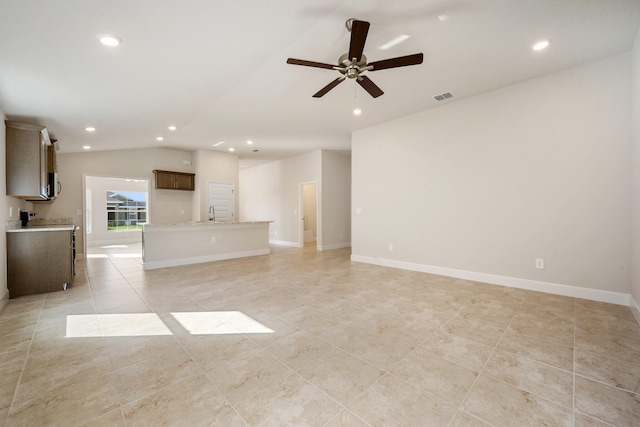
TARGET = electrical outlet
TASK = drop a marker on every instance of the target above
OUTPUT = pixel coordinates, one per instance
(390, 247)
(10, 211)
(540, 263)
(213, 239)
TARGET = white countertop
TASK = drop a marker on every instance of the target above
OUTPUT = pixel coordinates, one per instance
(50, 227)
(206, 223)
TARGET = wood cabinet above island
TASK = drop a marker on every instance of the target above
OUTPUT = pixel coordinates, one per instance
(168, 180)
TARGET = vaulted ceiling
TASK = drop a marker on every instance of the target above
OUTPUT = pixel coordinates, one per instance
(217, 70)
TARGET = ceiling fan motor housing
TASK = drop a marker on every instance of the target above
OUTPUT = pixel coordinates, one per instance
(351, 69)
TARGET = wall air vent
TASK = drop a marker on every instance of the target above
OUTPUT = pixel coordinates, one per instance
(443, 96)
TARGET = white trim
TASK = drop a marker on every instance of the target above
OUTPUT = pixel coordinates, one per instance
(334, 246)
(285, 243)
(513, 282)
(204, 258)
(4, 299)
(635, 308)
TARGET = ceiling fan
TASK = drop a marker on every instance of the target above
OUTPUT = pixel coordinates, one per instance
(354, 63)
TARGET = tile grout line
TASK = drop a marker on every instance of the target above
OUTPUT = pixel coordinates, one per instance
(120, 405)
(26, 359)
(466, 396)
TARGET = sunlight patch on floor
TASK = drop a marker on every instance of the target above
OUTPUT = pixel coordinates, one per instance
(220, 322)
(115, 325)
(149, 324)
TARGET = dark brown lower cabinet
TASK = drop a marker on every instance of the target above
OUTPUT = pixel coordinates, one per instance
(39, 261)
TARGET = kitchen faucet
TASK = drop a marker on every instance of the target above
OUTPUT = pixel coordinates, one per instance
(212, 213)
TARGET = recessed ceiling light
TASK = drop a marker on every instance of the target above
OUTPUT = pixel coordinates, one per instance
(109, 40)
(86, 147)
(443, 18)
(160, 138)
(540, 45)
(394, 42)
(217, 144)
(90, 129)
(172, 128)
(357, 112)
(231, 149)
(249, 142)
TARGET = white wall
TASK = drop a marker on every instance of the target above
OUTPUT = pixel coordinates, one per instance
(336, 200)
(213, 166)
(272, 192)
(486, 185)
(166, 206)
(98, 186)
(635, 245)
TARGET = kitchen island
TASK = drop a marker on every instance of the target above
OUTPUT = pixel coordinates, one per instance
(170, 245)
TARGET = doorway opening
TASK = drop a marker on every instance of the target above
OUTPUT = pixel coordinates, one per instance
(309, 214)
(115, 209)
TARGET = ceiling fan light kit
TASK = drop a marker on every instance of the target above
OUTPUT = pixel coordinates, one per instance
(354, 63)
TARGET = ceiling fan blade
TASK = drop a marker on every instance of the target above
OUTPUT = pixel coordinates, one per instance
(328, 87)
(294, 61)
(401, 61)
(359, 30)
(369, 86)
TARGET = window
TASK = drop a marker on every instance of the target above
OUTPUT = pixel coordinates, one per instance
(126, 210)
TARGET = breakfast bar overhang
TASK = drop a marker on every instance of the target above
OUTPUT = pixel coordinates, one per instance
(170, 245)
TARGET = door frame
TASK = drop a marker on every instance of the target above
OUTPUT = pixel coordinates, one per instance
(85, 214)
(301, 214)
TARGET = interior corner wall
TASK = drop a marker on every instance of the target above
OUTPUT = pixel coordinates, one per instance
(336, 200)
(271, 192)
(213, 166)
(484, 186)
(635, 167)
(4, 216)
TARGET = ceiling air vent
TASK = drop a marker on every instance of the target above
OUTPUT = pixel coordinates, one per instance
(443, 96)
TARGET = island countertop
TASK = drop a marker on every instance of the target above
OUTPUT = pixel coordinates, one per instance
(194, 223)
(169, 245)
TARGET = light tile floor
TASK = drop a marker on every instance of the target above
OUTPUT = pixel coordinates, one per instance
(301, 337)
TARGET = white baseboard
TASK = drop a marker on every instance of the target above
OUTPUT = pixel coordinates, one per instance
(635, 308)
(334, 246)
(284, 243)
(618, 298)
(4, 299)
(200, 259)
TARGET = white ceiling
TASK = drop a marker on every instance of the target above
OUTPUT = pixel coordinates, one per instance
(217, 69)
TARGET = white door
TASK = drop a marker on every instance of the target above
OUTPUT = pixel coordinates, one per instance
(220, 200)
